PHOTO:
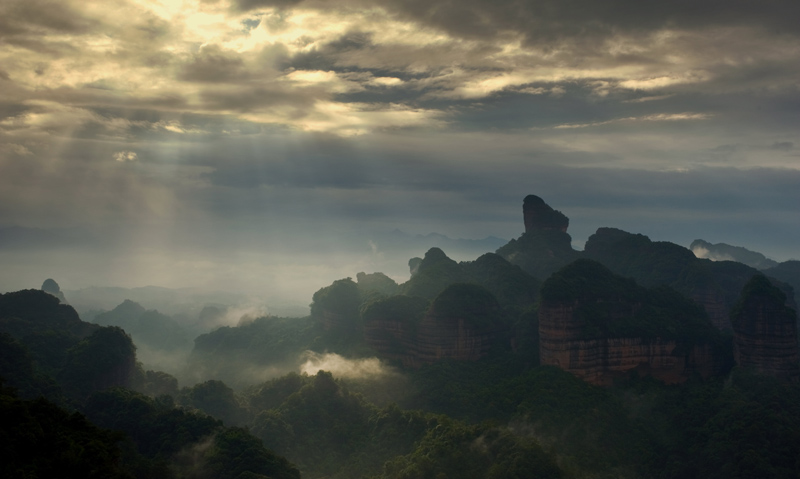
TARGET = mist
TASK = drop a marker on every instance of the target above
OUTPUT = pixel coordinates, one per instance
(368, 368)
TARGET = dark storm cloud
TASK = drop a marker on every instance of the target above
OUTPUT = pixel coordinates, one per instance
(27, 24)
(249, 98)
(245, 5)
(587, 20)
(213, 64)
(326, 57)
(30, 16)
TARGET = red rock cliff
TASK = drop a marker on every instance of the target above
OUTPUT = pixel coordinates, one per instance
(463, 323)
(765, 331)
(600, 361)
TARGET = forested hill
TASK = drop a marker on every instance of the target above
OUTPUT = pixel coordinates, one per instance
(484, 369)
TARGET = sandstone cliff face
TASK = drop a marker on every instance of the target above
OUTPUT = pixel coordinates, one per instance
(715, 305)
(463, 323)
(600, 361)
(434, 339)
(765, 331)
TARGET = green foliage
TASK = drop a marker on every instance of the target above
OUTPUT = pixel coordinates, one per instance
(635, 256)
(341, 298)
(49, 349)
(271, 394)
(610, 306)
(39, 439)
(147, 328)
(376, 283)
(514, 289)
(216, 399)
(158, 383)
(759, 286)
(30, 311)
(194, 444)
(106, 358)
(232, 352)
(157, 429)
(236, 454)
(459, 451)
(760, 294)
(405, 309)
(747, 426)
(18, 371)
(328, 423)
(434, 274)
(661, 263)
(470, 302)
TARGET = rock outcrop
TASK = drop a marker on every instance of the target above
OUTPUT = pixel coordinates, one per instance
(50, 286)
(600, 361)
(765, 331)
(463, 323)
(726, 252)
(713, 284)
(512, 287)
(599, 326)
(539, 215)
(545, 246)
(335, 307)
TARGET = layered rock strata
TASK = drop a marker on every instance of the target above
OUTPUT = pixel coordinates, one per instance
(463, 323)
(765, 331)
(600, 361)
(600, 326)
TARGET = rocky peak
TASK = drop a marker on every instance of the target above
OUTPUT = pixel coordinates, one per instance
(50, 286)
(765, 330)
(726, 252)
(545, 247)
(539, 215)
(433, 256)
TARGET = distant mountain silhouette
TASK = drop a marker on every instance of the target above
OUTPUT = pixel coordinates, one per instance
(726, 252)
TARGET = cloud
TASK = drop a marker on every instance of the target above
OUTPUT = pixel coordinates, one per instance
(246, 5)
(342, 367)
(249, 118)
(656, 117)
(125, 156)
(213, 64)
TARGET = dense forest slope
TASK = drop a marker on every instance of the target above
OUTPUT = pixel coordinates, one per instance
(632, 359)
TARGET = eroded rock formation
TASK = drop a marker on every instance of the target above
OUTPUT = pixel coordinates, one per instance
(50, 286)
(599, 326)
(713, 284)
(600, 361)
(765, 331)
(539, 215)
(463, 323)
(545, 246)
(336, 306)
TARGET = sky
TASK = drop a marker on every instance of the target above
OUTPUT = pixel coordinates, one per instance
(259, 144)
